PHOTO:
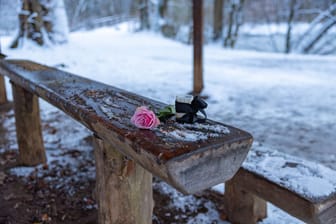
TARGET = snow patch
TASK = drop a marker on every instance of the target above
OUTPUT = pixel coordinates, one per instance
(220, 188)
(197, 131)
(185, 135)
(306, 178)
(22, 171)
(211, 216)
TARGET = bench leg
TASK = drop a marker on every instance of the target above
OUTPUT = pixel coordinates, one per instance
(242, 207)
(3, 95)
(123, 188)
(28, 127)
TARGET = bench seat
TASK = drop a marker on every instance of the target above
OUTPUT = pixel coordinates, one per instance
(189, 157)
(304, 189)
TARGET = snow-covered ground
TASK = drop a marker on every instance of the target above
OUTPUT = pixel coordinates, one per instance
(285, 101)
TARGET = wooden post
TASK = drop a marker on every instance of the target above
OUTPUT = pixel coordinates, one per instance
(198, 46)
(123, 188)
(3, 95)
(28, 127)
(242, 207)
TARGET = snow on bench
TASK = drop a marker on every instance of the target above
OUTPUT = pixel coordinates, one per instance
(191, 158)
(304, 189)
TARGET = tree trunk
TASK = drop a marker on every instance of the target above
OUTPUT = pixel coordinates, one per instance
(163, 4)
(28, 127)
(123, 188)
(228, 37)
(238, 22)
(234, 23)
(39, 21)
(218, 20)
(144, 15)
(57, 28)
(289, 26)
(161, 23)
(305, 42)
(198, 46)
(329, 24)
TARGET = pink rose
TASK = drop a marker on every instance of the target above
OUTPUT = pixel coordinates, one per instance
(144, 118)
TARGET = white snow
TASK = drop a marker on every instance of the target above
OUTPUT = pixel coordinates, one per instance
(57, 14)
(187, 135)
(285, 101)
(220, 188)
(22, 171)
(217, 129)
(310, 179)
(189, 203)
(196, 132)
(276, 28)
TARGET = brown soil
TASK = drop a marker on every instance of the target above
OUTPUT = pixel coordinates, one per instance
(33, 200)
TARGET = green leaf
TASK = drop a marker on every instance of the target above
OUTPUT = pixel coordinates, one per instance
(166, 112)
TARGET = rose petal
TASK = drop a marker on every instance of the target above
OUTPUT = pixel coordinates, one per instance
(144, 118)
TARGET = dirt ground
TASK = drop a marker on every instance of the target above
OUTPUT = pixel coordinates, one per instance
(33, 200)
(57, 193)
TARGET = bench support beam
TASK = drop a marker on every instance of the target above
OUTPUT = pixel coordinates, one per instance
(242, 207)
(123, 188)
(3, 95)
(28, 127)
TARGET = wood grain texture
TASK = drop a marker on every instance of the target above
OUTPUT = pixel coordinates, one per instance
(28, 127)
(189, 166)
(123, 188)
(241, 206)
(328, 215)
(3, 95)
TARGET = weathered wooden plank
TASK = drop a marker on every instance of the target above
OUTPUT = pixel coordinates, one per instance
(312, 181)
(28, 127)
(213, 156)
(123, 188)
(308, 211)
(298, 206)
(328, 216)
(3, 95)
(279, 178)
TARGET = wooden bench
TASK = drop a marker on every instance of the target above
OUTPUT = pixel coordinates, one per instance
(304, 189)
(188, 157)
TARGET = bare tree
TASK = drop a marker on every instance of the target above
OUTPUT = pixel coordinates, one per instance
(326, 20)
(92, 14)
(42, 21)
(235, 20)
(291, 16)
